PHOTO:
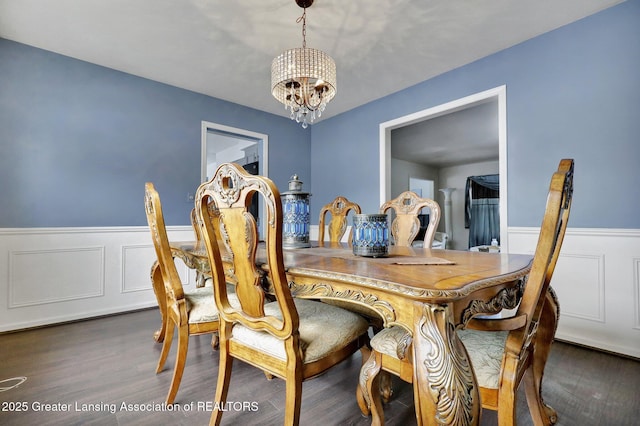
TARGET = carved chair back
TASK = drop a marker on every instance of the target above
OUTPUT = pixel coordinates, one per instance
(545, 258)
(169, 273)
(406, 225)
(339, 209)
(230, 223)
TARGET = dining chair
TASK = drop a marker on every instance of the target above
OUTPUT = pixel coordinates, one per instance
(293, 339)
(406, 225)
(192, 312)
(506, 351)
(440, 240)
(339, 208)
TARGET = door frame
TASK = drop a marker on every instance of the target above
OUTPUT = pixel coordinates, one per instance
(232, 131)
(499, 93)
(241, 134)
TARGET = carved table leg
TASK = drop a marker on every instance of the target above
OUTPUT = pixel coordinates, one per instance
(158, 289)
(444, 388)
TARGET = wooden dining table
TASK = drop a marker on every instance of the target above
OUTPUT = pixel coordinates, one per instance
(431, 293)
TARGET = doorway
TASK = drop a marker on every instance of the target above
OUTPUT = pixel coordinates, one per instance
(497, 95)
(224, 144)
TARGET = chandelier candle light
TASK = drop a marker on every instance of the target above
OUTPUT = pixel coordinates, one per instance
(303, 79)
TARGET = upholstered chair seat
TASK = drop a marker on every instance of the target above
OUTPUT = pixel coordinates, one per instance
(393, 341)
(486, 349)
(201, 306)
(323, 329)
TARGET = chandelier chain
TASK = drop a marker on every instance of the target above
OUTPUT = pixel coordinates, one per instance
(303, 18)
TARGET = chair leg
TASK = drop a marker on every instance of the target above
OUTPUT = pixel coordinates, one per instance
(541, 413)
(166, 346)
(215, 341)
(222, 386)
(268, 375)
(373, 389)
(508, 390)
(368, 392)
(507, 409)
(293, 400)
(369, 368)
(386, 388)
(161, 297)
(181, 359)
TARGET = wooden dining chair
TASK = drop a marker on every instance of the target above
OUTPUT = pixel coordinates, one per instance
(293, 339)
(191, 312)
(503, 352)
(339, 208)
(406, 225)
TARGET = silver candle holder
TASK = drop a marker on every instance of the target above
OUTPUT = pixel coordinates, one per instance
(296, 223)
(370, 235)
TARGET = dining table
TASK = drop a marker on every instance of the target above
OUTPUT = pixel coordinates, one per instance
(430, 292)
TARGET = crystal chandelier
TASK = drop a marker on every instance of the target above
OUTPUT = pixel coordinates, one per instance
(303, 79)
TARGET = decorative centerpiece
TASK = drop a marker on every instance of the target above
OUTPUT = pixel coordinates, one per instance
(370, 235)
(295, 208)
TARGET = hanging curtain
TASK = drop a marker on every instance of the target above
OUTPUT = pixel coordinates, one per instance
(482, 209)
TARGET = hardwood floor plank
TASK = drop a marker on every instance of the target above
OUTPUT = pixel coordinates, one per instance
(102, 372)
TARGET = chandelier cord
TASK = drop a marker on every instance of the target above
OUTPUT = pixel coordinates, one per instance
(303, 18)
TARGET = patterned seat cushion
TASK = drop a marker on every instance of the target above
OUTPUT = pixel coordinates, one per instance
(485, 348)
(201, 306)
(393, 341)
(323, 329)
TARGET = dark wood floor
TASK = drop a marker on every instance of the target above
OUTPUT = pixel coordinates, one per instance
(97, 371)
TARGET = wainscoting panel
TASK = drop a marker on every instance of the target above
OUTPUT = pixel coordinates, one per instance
(52, 275)
(55, 275)
(38, 277)
(135, 278)
(597, 283)
(587, 272)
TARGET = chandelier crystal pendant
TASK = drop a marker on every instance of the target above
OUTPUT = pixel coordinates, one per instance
(303, 79)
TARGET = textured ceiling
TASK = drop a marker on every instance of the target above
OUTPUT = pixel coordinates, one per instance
(224, 48)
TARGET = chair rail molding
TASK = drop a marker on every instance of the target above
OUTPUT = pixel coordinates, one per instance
(597, 280)
(56, 275)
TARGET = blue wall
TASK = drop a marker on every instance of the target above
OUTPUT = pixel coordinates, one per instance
(78, 142)
(573, 92)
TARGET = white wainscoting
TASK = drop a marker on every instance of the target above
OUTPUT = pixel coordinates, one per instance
(597, 280)
(61, 274)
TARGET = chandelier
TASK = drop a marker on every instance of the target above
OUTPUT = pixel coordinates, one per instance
(303, 79)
